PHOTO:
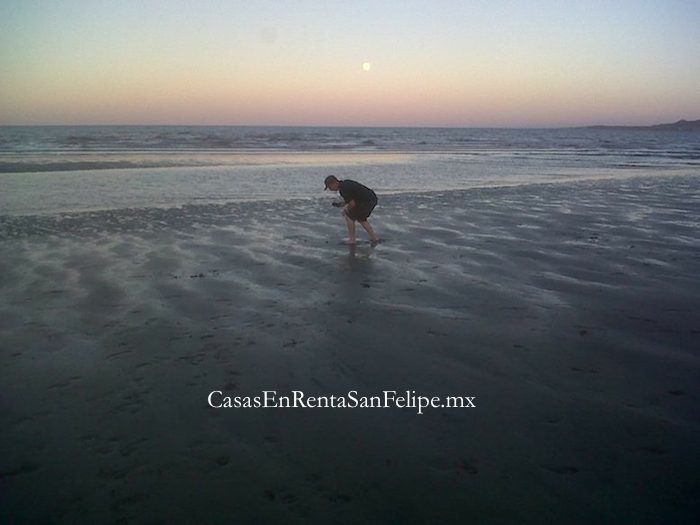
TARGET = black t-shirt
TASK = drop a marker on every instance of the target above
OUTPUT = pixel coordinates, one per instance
(351, 190)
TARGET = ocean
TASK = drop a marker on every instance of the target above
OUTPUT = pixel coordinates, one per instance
(58, 169)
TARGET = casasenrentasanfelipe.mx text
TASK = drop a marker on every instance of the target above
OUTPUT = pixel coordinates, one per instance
(351, 399)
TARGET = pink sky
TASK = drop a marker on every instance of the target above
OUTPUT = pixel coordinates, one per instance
(433, 64)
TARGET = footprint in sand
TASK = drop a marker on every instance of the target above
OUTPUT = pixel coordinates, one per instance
(657, 451)
(583, 370)
(562, 469)
(676, 392)
(340, 497)
(23, 468)
(467, 466)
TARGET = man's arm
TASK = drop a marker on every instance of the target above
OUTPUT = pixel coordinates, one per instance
(348, 205)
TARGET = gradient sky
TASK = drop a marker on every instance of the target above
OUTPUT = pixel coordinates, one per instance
(433, 63)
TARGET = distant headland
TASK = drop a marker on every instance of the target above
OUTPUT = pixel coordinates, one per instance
(681, 125)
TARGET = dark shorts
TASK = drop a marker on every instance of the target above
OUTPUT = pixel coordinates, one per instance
(361, 211)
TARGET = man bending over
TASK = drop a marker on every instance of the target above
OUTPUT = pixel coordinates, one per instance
(358, 205)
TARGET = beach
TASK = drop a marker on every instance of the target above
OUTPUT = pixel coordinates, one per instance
(569, 311)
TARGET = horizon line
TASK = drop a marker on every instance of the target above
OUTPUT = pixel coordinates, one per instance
(346, 126)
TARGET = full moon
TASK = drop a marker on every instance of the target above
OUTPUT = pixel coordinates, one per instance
(366, 66)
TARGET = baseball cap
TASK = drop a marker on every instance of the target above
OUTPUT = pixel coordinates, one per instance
(329, 179)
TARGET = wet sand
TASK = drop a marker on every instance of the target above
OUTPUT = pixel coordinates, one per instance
(571, 311)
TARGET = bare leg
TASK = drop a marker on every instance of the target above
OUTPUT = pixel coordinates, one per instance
(368, 228)
(351, 228)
